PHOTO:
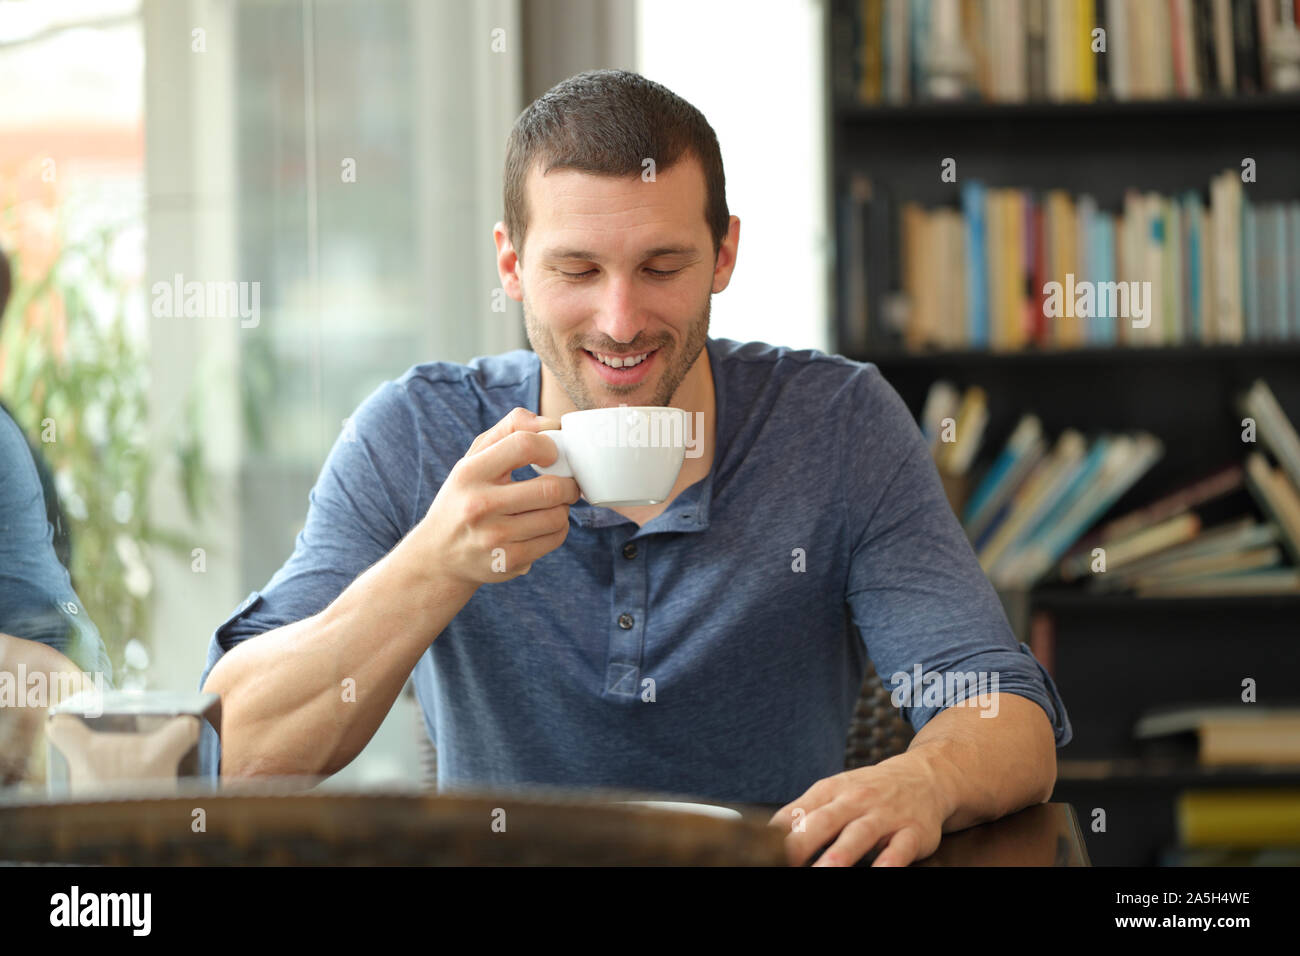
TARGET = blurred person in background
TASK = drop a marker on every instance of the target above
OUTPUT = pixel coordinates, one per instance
(49, 647)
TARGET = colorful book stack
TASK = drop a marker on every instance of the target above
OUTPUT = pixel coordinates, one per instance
(1038, 496)
(1030, 517)
(1166, 549)
(896, 51)
(1013, 269)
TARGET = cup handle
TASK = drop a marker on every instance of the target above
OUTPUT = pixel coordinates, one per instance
(561, 466)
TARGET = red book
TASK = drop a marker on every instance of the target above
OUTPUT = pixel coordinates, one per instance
(1180, 68)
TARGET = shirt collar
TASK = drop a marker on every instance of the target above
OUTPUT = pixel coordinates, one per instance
(689, 511)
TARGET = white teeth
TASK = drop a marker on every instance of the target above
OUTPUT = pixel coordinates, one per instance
(616, 362)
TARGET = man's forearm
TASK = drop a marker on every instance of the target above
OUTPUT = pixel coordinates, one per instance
(284, 710)
(988, 767)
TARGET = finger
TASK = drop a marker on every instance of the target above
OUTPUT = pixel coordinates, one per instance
(902, 849)
(518, 448)
(536, 494)
(533, 524)
(854, 842)
(530, 551)
(821, 826)
(819, 794)
(517, 419)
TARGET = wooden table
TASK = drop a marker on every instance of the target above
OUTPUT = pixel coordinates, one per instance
(262, 823)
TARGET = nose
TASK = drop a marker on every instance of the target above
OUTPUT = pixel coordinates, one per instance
(620, 316)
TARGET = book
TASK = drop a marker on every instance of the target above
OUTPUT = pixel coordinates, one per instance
(1192, 570)
(1259, 817)
(1036, 496)
(1014, 269)
(1229, 735)
(972, 417)
(1250, 238)
(973, 200)
(1293, 268)
(1222, 541)
(1225, 65)
(1219, 483)
(1250, 584)
(1148, 541)
(941, 401)
(1112, 467)
(1277, 499)
(886, 51)
(1022, 451)
(1246, 53)
(1274, 427)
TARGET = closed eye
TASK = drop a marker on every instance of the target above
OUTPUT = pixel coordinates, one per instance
(658, 273)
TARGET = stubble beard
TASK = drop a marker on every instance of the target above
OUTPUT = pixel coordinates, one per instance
(568, 363)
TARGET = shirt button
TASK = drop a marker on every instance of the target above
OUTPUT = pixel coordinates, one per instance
(629, 550)
(625, 621)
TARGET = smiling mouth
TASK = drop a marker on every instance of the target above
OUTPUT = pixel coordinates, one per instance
(623, 360)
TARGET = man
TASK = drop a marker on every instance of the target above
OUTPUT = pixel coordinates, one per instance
(701, 646)
(53, 510)
(44, 628)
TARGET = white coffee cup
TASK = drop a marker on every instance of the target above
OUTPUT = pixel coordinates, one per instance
(620, 457)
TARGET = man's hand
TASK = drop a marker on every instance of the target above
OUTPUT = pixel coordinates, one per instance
(22, 727)
(897, 804)
(481, 515)
(961, 768)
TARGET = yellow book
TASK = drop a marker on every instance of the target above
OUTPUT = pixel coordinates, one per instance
(972, 417)
(873, 23)
(1073, 325)
(1061, 266)
(1087, 65)
(1244, 818)
(1069, 48)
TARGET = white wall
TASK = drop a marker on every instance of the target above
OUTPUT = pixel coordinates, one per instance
(754, 68)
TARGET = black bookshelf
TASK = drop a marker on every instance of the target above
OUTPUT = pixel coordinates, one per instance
(1113, 656)
(1286, 106)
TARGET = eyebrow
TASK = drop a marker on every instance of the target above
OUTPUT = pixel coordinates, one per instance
(588, 256)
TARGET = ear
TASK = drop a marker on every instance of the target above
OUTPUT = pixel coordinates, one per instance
(508, 264)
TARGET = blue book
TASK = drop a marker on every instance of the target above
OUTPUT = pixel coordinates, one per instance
(1249, 268)
(1193, 273)
(1022, 438)
(919, 33)
(1101, 260)
(1265, 267)
(972, 207)
(1084, 474)
(987, 535)
(1144, 453)
(1085, 212)
(1293, 267)
(1282, 287)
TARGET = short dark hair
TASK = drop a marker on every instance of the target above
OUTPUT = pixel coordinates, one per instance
(6, 283)
(609, 122)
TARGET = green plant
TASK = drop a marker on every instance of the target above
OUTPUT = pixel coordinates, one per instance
(76, 377)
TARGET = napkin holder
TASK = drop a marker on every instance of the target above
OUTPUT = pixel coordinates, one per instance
(100, 740)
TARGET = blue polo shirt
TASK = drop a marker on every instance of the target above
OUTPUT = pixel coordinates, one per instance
(715, 652)
(37, 600)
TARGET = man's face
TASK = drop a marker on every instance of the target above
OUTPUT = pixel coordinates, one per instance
(623, 268)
